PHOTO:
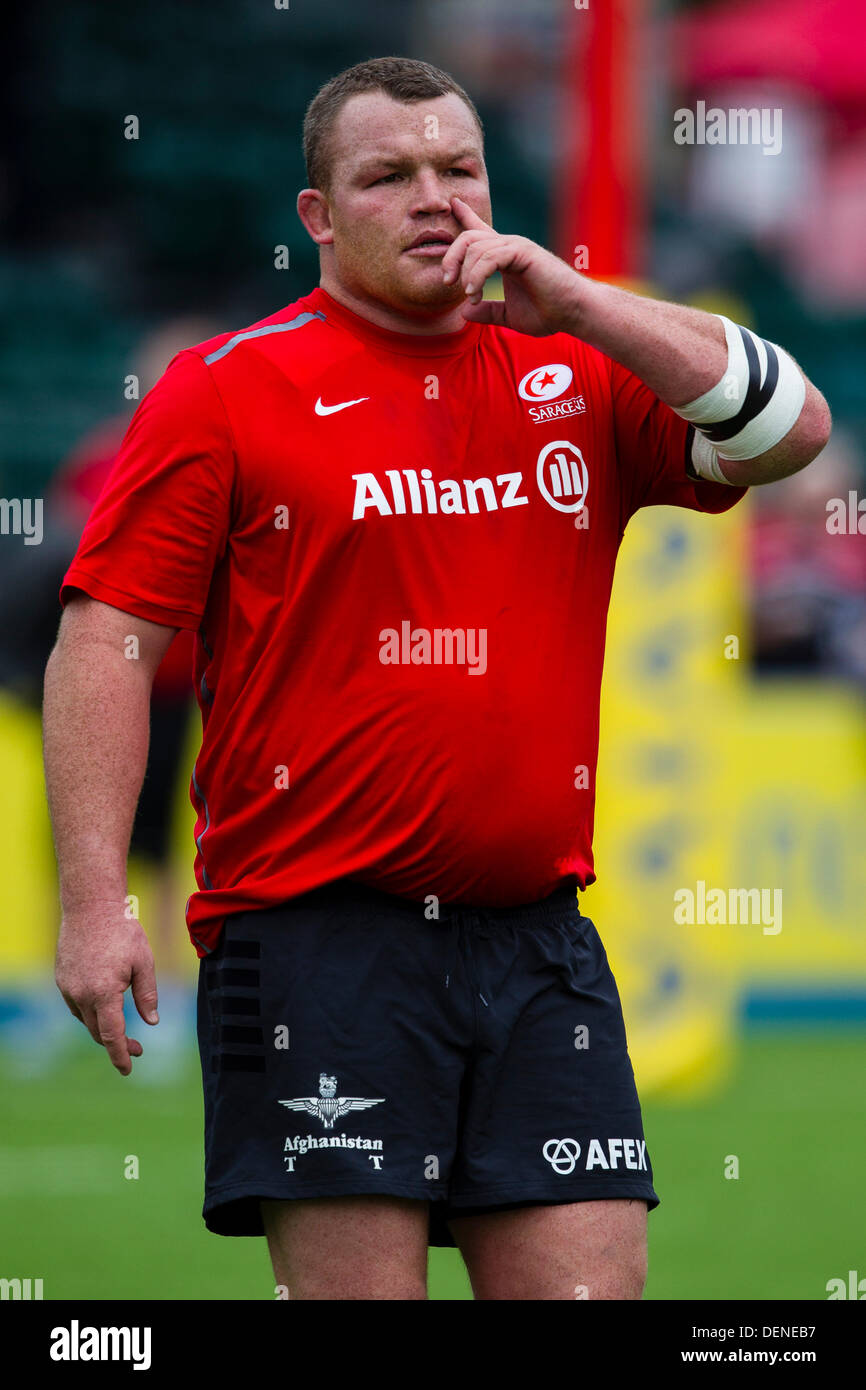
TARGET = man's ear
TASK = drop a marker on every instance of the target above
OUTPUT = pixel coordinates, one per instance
(315, 214)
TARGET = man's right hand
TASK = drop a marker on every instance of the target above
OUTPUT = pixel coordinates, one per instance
(101, 952)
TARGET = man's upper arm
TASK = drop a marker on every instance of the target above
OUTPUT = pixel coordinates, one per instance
(89, 623)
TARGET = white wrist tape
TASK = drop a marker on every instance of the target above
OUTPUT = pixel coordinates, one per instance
(753, 406)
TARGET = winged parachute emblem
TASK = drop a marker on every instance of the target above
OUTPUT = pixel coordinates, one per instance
(327, 1106)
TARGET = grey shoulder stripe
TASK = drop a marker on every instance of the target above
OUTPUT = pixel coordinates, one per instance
(260, 333)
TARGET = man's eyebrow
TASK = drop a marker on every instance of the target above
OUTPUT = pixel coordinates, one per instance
(396, 162)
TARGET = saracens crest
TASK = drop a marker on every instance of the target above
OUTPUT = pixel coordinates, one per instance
(327, 1106)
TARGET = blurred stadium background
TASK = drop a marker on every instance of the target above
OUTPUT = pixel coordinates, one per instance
(736, 762)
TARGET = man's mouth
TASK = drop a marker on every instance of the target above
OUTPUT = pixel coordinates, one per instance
(430, 244)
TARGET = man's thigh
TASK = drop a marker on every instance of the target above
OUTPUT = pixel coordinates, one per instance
(366, 1247)
(580, 1250)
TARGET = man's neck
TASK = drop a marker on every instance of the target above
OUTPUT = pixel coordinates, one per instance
(447, 320)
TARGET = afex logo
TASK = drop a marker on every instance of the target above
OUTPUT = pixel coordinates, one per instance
(564, 1155)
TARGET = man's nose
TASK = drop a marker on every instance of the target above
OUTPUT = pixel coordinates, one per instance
(431, 194)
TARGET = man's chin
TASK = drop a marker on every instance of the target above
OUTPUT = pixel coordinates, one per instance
(428, 291)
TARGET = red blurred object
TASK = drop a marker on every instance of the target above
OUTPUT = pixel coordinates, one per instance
(601, 193)
(783, 546)
(819, 45)
(75, 488)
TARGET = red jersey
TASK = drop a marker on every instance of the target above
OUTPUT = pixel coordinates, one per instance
(397, 551)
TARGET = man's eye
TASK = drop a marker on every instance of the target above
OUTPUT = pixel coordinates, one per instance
(386, 178)
(461, 171)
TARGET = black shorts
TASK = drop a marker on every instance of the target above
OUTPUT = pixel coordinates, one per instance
(350, 1044)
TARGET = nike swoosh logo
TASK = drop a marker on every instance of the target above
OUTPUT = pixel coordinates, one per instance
(329, 409)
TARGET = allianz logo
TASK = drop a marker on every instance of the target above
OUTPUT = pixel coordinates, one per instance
(561, 477)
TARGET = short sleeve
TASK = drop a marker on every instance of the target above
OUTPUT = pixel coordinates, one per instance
(653, 446)
(161, 522)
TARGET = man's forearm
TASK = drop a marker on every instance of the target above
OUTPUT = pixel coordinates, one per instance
(755, 414)
(96, 731)
(678, 351)
(681, 353)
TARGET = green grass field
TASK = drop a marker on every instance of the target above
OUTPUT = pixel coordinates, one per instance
(796, 1217)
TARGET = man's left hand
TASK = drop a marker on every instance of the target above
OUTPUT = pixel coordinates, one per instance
(541, 291)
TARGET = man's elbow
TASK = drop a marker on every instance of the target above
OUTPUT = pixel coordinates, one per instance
(814, 427)
(803, 443)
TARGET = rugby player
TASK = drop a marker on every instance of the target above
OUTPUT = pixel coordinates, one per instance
(391, 512)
